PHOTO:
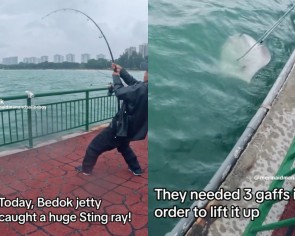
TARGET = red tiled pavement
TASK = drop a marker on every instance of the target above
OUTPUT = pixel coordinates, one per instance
(48, 172)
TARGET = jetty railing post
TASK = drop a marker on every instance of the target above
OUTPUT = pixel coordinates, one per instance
(30, 128)
(87, 112)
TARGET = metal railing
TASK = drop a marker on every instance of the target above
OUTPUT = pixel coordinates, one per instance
(23, 123)
(183, 226)
(285, 170)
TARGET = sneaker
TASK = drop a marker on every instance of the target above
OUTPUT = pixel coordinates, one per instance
(80, 170)
(136, 172)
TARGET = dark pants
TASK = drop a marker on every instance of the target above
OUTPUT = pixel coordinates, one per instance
(106, 141)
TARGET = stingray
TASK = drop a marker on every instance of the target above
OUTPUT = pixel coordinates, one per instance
(233, 65)
(242, 56)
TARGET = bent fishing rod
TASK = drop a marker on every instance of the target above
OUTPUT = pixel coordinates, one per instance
(89, 18)
(268, 32)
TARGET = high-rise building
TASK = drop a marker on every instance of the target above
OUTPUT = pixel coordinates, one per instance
(34, 60)
(70, 57)
(85, 58)
(10, 60)
(143, 50)
(25, 60)
(44, 59)
(130, 50)
(58, 58)
(100, 56)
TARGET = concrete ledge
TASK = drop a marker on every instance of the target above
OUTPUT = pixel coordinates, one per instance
(262, 157)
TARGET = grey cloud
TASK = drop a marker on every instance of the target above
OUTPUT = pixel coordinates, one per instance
(24, 33)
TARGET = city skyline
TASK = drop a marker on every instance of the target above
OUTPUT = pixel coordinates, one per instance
(70, 57)
(25, 34)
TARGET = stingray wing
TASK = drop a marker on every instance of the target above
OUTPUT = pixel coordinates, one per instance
(246, 67)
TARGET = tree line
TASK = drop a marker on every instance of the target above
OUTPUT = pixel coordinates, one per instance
(132, 62)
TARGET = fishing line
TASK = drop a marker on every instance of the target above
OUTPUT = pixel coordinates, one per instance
(268, 32)
(88, 18)
(104, 73)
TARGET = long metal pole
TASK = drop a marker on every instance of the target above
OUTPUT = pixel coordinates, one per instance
(268, 32)
(88, 17)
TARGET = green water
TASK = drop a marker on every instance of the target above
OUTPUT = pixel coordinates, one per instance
(196, 114)
(16, 82)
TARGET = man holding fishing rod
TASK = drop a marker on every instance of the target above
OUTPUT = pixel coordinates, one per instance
(129, 124)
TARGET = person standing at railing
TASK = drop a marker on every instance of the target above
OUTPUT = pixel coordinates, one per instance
(129, 124)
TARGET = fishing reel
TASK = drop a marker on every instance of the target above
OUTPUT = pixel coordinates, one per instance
(110, 89)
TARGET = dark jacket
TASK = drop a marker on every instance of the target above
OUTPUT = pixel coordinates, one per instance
(133, 114)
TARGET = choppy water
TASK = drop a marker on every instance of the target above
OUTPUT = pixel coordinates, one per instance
(17, 82)
(196, 114)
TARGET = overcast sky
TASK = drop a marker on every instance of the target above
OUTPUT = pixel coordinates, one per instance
(25, 34)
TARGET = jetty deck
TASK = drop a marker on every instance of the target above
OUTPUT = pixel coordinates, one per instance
(258, 164)
(48, 172)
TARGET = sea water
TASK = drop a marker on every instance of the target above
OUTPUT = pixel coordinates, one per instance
(196, 112)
